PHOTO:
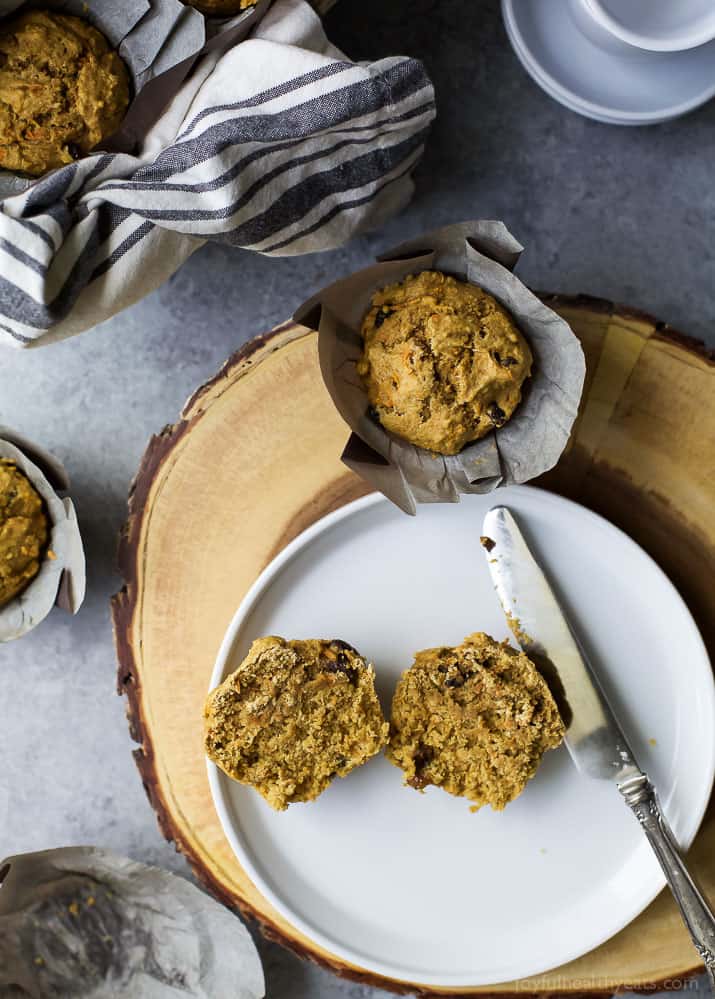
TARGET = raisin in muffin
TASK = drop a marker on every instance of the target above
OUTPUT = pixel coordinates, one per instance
(443, 362)
(474, 720)
(24, 531)
(294, 715)
(62, 90)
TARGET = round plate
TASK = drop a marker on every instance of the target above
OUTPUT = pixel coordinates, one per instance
(416, 887)
(609, 80)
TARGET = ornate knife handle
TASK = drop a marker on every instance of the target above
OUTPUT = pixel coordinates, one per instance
(640, 796)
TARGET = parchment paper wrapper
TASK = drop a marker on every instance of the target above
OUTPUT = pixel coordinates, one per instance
(61, 580)
(83, 923)
(152, 37)
(201, 35)
(532, 441)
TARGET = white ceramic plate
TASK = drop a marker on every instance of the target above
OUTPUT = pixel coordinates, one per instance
(416, 887)
(607, 80)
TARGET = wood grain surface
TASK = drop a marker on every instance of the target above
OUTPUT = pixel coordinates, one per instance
(254, 459)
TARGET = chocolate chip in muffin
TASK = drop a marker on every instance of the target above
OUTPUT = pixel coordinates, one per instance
(496, 414)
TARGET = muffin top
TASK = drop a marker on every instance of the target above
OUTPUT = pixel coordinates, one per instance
(62, 90)
(23, 531)
(475, 720)
(220, 8)
(294, 715)
(443, 362)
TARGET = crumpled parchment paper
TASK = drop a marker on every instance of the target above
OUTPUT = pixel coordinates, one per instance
(85, 923)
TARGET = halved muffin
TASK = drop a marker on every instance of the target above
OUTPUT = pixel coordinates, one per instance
(294, 715)
(475, 720)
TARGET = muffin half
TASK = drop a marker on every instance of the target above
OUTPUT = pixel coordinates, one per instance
(474, 720)
(293, 716)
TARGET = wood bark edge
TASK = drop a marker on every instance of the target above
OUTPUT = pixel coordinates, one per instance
(124, 605)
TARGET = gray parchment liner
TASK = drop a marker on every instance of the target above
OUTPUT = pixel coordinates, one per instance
(146, 934)
(60, 580)
(159, 42)
(483, 253)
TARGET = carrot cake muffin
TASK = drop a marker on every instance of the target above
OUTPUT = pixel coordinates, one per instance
(443, 362)
(23, 531)
(474, 720)
(62, 90)
(221, 8)
(293, 716)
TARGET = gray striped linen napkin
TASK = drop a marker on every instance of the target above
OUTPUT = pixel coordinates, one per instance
(280, 145)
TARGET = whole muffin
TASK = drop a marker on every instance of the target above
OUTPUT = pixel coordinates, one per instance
(62, 90)
(474, 720)
(23, 531)
(220, 8)
(443, 362)
(294, 715)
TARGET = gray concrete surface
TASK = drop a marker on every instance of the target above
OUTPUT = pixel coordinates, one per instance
(627, 214)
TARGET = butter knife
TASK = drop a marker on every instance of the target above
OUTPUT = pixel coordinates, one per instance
(594, 738)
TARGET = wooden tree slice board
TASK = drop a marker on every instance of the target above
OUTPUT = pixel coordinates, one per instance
(254, 459)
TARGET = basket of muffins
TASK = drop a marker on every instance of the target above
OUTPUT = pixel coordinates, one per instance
(42, 560)
(76, 79)
(473, 719)
(452, 376)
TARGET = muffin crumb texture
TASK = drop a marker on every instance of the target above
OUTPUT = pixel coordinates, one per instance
(62, 91)
(443, 362)
(294, 715)
(474, 720)
(23, 531)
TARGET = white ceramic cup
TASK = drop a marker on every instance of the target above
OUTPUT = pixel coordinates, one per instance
(656, 25)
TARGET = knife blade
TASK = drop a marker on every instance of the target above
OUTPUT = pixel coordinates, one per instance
(594, 737)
